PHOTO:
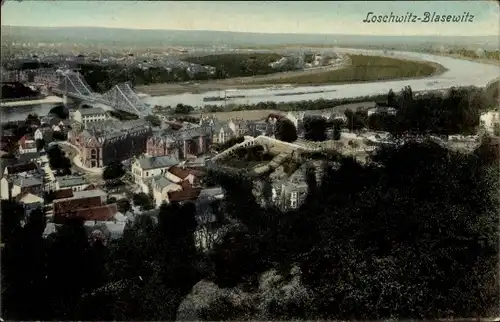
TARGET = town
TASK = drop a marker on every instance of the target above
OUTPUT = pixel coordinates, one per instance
(108, 171)
(276, 171)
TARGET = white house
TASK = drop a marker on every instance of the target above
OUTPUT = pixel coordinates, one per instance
(88, 115)
(11, 187)
(43, 133)
(148, 167)
(489, 119)
(382, 109)
(161, 186)
(76, 183)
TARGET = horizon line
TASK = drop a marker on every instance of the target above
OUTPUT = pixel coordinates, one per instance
(249, 32)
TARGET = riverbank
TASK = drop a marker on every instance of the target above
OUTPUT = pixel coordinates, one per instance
(23, 103)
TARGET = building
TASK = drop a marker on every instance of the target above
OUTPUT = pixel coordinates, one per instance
(102, 143)
(88, 205)
(27, 145)
(15, 185)
(44, 133)
(220, 131)
(381, 110)
(75, 183)
(298, 118)
(161, 187)
(89, 115)
(26, 168)
(290, 192)
(489, 121)
(148, 167)
(182, 143)
(238, 127)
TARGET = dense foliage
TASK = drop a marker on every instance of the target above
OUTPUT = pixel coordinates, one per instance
(58, 161)
(17, 91)
(285, 130)
(60, 111)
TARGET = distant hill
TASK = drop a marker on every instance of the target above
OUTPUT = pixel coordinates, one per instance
(111, 36)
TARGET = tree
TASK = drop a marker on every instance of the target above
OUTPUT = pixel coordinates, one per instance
(391, 98)
(68, 255)
(59, 136)
(113, 171)
(58, 161)
(123, 205)
(183, 109)
(315, 128)
(32, 119)
(229, 143)
(23, 269)
(11, 147)
(143, 200)
(60, 111)
(40, 144)
(356, 120)
(13, 213)
(336, 133)
(153, 120)
(285, 130)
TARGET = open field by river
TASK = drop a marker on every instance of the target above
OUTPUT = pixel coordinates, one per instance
(355, 68)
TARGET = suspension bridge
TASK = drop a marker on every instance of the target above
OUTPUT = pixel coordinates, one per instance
(73, 85)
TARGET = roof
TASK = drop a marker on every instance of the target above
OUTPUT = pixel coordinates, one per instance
(71, 181)
(26, 182)
(161, 182)
(62, 194)
(30, 156)
(91, 111)
(100, 213)
(28, 198)
(184, 195)
(149, 163)
(109, 129)
(179, 172)
(24, 167)
(210, 193)
(88, 194)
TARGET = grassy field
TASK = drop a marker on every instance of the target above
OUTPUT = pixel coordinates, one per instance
(365, 69)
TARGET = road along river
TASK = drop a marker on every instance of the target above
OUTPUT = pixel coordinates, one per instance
(459, 73)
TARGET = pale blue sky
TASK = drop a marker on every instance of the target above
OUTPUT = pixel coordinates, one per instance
(264, 16)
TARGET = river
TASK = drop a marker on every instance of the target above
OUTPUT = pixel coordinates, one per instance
(21, 112)
(459, 73)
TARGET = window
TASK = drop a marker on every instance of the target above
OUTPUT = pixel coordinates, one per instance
(294, 195)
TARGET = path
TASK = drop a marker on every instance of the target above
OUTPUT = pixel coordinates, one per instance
(74, 154)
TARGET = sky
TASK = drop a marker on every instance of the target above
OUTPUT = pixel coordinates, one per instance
(310, 17)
